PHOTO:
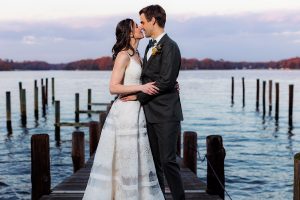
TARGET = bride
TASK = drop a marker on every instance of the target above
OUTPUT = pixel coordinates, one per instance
(123, 167)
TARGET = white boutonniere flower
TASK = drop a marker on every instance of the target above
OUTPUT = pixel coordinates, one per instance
(156, 49)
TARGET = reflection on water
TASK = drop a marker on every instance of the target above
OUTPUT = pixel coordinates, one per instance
(259, 149)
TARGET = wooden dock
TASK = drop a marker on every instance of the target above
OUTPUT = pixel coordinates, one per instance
(73, 187)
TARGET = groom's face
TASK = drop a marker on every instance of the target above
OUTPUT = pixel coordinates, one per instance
(146, 26)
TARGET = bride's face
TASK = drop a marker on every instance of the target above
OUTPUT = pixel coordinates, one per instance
(137, 31)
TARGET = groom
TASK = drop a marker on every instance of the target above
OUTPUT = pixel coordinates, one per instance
(163, 112)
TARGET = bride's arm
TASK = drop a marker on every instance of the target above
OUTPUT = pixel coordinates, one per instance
(116, 82)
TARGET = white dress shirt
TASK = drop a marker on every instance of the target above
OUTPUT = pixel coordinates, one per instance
(157, 41)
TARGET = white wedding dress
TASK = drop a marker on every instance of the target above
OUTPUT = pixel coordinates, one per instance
(123, 167)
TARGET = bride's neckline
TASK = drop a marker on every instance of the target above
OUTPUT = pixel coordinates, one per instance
(136, 61)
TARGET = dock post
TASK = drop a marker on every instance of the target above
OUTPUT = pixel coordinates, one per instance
(53, 89)
(20, 95)
(46, 92)
(102, 117)
(257, 94)
(77, 107)
(23, 107)
(57, 120)
(277, 102)
(215, 163)
(94, 136)
(8, 112)
(190, 150)
(78, 150)
(44, 100)
(291, 102)
(243, 85)
(297, 176)
(232, 90)
(36, 100)
(40, 166)
(108, 107)
(89, 103)
(270, 96)
(264, 98)
(179, 143)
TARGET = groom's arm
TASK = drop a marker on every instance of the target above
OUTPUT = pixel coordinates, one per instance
(170, 66)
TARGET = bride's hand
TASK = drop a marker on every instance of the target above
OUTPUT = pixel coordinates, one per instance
(149, 88)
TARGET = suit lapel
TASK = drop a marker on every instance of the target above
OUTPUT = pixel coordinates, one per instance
(161, 41)
(145, 59)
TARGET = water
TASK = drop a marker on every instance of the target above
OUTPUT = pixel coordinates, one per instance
(259, 154)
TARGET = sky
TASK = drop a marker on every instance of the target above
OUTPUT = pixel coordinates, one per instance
(60, 31)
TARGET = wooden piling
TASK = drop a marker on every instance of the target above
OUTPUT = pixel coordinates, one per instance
(108, 107)
(89, 103)
(57, 120)
(215, 165)
(20, 95)
(77, 107)
(53, 90)
(257, 94)
(291, 102)
(78, 157)
(232, 90)
(8, 112)
(178, 151)
(46, 92)
(40, 166)
(277, 101)
(297, 176)
(264, 98)
(270, 96)
(36, 101)
(94, 131)
(102, 117)
(23, 107)
(243, 84)
(190, 150)
(44, 100)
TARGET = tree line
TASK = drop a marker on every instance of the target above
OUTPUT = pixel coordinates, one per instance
(106, 63)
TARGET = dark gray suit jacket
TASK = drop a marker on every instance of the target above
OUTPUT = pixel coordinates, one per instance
(163, 68)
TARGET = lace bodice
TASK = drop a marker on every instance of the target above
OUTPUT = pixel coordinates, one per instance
(133, 73)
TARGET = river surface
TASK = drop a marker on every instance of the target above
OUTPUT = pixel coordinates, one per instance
(259, 152)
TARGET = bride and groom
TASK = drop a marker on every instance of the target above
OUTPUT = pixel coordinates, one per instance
(137, 148)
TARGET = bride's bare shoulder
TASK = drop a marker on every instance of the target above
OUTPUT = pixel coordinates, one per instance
(122, 60)
(123, 55)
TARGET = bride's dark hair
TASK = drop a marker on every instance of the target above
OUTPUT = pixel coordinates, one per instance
(123, 31)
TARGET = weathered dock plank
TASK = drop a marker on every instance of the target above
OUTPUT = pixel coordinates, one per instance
(73, 187)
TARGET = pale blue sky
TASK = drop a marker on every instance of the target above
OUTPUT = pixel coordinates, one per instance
(64, 30)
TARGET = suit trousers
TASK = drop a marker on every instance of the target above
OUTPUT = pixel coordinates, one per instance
(163, 141)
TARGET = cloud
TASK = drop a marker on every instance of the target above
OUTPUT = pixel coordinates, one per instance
(33, 40)
(296, 41)
(287, 33)
(248, 36)
(30, 40)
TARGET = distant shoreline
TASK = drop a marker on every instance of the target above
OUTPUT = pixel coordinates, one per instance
(106, 63)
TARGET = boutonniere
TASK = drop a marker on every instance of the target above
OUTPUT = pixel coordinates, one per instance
(156, 49)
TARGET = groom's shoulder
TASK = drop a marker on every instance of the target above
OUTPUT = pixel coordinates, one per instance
(171, 42)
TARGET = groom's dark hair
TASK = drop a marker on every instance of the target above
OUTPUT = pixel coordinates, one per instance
(155, 11)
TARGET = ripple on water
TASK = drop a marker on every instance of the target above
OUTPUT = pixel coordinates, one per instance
(259, 152)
